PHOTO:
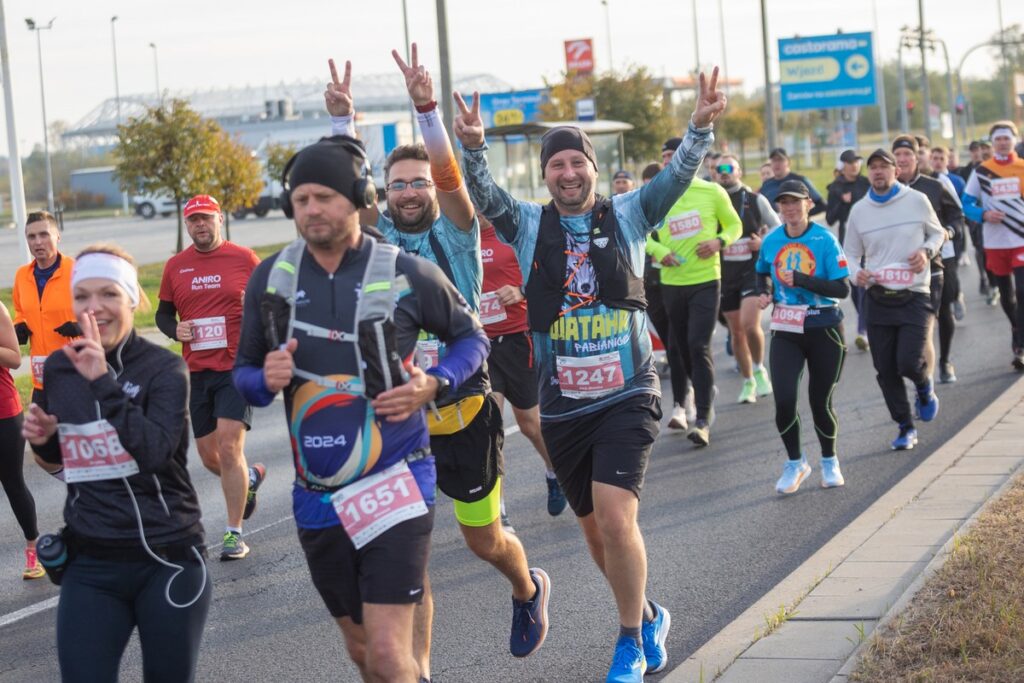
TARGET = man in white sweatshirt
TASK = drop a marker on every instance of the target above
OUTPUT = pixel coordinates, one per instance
(896, 231)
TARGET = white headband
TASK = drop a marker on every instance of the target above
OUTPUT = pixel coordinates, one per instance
(1002, 132)
(107, 267)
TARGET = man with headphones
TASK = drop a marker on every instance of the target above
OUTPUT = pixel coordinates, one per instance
(430, 215)
(364, 489)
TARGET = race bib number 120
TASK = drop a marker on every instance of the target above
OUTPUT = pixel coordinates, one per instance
(369, 507)
(93, 452)
(590, 377)
(209, 333)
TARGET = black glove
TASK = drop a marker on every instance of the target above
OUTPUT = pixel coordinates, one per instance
(69, 330)
(21, 329)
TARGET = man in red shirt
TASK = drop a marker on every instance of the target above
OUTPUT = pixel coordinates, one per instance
(201, 306)
(513, 375)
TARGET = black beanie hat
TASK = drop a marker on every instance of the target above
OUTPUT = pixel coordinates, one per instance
(335, 162)
(562, 138)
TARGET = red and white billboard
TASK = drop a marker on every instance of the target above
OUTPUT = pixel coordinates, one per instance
(579, 56)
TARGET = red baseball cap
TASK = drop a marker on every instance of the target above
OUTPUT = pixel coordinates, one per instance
(201, 203)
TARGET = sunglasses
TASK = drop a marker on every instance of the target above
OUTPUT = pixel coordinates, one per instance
(726, 168)
(418, 184)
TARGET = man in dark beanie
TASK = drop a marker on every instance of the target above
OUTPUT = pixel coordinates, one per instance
(582, 258)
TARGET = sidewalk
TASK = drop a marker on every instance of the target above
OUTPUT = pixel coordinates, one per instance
(869, 572)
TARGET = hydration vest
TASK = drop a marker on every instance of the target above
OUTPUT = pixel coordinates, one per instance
(617, 285)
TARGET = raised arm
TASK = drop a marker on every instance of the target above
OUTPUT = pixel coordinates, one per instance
(658, 196)
(452, 195)
(341, 107)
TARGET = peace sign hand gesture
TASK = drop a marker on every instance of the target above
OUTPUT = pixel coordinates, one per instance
(710, 101)
(86, 353)
(469, 127)
(338, 95)
(417, 78)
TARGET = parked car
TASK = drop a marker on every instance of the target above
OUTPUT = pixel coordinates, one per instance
(149, 205)
(262, 207)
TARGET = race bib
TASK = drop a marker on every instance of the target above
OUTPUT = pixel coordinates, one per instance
(590, 377)
(209, 333)
(788, 318)
(430, 351)
(895, 276)
(369, 507)
(1005, 188)
(37, 368)
(685, 226)
(738, 251)
(93, 452)
(491, 310)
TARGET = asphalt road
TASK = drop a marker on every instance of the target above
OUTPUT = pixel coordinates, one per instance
(718, 537)
(149, 241)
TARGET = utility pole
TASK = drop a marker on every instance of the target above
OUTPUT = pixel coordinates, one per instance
(447, 109)
(769, 103)
(925, 95)
(904, 114)
(408, 60)
(725, 49)
(608, 33)
(880, 77)
(696, 49)
(1008, 87)
(13, 157)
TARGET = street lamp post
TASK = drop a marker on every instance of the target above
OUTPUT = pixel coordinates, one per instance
(33, 26)
(13, 157)
(117, 98)
(769, 104)
(608, 33)
(156, 74)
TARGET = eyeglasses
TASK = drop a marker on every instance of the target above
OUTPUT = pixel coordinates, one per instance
(726, 168)
(418, 184)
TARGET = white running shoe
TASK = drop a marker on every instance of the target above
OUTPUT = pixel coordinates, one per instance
(678, 419)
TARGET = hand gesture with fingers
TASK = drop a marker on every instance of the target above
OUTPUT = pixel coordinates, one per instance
(469, 127)
(417, 79)
(86, 353)
(39, 426)
(338, 95)
(710, 101)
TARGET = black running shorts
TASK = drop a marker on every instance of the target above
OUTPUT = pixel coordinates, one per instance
(212, 395)
(512, 371)
(389, 570)
(610, 446)
(738, 283)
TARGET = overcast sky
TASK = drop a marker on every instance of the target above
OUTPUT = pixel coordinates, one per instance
(211, 43)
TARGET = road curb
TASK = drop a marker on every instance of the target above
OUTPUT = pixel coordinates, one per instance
(715, 656)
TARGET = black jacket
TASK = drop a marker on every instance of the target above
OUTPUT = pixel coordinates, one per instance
(838, 210)
(145, 398)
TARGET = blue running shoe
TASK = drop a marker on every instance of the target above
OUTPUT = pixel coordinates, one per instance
(556, 498)
(655, 632)
(927, 403)
(906, 440)
(530, 618)
(628, 665)
(831, 475)
(793, 474)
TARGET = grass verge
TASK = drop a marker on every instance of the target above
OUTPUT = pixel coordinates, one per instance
(967, 621)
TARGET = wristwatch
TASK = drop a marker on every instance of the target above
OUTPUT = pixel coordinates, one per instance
(443, 386)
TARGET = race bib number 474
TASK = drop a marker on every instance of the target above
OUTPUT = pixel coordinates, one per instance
(93, 452)
(491, 310)
(369, 507)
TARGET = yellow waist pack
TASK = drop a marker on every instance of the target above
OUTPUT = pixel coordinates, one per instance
(454, 417)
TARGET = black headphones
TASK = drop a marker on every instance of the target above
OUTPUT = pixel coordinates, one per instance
(364, 193)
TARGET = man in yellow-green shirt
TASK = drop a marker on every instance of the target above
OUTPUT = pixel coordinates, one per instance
(687, 244)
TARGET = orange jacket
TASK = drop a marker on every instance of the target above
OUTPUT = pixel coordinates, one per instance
(42, 317)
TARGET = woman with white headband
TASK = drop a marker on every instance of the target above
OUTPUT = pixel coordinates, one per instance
(115, 415)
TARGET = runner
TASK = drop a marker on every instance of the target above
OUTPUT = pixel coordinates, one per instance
(994, 197)
(802, 269)
(204, 286)
(698, 226)
(946, 204)
(940, 165)
(600, 404)
(779, 161)
(12, 447)
(43, 316)
(115, 412)
(359, 439)
(897, 234)
(847, 189)
(430, 215)
(510, 364)
(622, 182)
(739, 299)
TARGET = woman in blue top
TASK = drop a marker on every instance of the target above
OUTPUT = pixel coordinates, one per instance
(802, 270)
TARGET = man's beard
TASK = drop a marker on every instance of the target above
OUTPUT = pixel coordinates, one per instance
(421, 223)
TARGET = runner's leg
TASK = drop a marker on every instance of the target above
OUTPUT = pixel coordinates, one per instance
(740, 347)
(787, 367)
(750, 319)
(703, 314)
(824, 366)
(388, 630)
(234, 471)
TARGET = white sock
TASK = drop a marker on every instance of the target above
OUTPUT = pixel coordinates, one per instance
(550, 475)
(758, 367)
(234, 529)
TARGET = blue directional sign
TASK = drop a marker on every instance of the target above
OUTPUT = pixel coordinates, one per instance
(823, 72)
(511, 108)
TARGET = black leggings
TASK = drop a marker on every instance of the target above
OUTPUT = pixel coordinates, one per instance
(12, 475)
(897, 335)
(950, 292)
(1013, 306)
(103, 601)
(823, 351)
(692, 313)
(659, 317)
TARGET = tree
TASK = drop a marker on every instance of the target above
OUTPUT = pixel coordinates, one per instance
(277, 156)
(236, 181)
(634, 97)
(742, 125)
(170, 150)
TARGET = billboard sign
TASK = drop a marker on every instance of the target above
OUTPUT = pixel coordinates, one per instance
(825, 72)
(511, 108)
(579, 56)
